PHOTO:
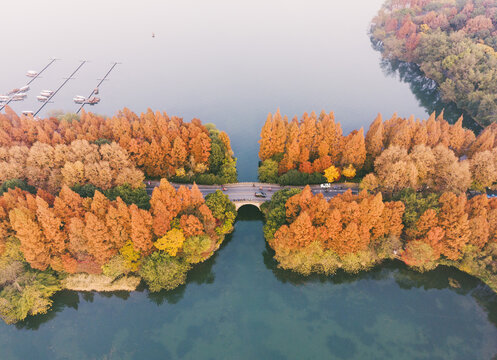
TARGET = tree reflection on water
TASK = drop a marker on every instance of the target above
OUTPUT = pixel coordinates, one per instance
(426, 92)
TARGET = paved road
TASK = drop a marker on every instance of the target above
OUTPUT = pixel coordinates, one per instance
(246, 191)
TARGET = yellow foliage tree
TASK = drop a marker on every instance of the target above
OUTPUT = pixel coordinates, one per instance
(131, 256)
(180, 172)
(349, 171)
(424, 28)
(171, 242)
(332, 174)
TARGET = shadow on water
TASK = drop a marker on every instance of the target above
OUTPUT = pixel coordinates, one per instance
(427, 92)
(169, 296)
(66, 299)
(200, 274)
(61, 300)
(442, 277)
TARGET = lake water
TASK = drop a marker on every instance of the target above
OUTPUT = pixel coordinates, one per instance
(232, 63)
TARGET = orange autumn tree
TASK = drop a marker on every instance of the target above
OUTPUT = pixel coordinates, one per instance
(164, 207)
(478, 209)
(141, 230)
(299, 234)
(34, 245)
(354, 149)
(453, 219)
(375, 137)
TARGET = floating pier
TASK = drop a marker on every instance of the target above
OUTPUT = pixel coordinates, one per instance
(60, 87)
(34, 75)
(96, 90)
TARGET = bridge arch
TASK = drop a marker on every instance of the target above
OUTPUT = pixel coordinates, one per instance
(239, 204)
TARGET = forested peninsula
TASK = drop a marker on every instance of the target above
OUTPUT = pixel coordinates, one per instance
(423, 195)
(453, 42)
(74, 212)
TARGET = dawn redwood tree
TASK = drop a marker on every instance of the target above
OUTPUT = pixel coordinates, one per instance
(298, 235)
(34, 245)
(141, 230)
(265, 149)
(453, 220)
(68, 205)
(349, 240)
(479, 228)
(196, 197)
(420, 134)
(165, 205)
(457, 138)
(118, 221)
(191, 225)
(99, 241)
(375, 137)
(329, 233)
(278, 133)
(354, 149)
(428, 231)
(52, 228)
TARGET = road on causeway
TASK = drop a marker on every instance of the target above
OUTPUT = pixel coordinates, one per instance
(245, 191)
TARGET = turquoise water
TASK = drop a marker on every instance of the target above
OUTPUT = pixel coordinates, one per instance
(238, 305)
(231, 63)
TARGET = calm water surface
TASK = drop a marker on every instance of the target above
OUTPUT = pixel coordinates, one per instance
(231, 63)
